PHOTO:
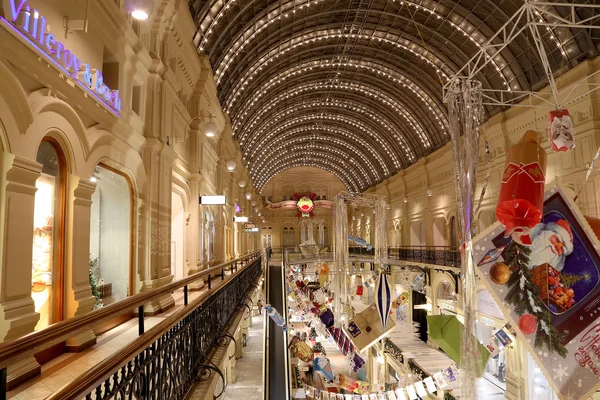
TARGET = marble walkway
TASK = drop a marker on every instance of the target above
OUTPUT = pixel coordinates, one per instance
(249, 368)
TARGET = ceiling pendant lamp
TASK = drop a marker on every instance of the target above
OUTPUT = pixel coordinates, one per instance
(139, 9)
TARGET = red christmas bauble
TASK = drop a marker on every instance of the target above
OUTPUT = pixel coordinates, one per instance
(527, 324)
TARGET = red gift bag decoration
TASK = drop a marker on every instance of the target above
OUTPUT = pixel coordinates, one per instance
(359, 286)
(521, 199)
(560, 130)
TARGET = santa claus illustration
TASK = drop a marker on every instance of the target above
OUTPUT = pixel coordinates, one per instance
(551, 243)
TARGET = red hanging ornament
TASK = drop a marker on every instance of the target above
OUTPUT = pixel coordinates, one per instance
(527, 324)
(560, 130)
(359, 285)
(521, 199)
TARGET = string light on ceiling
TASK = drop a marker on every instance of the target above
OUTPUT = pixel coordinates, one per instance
(304, 91)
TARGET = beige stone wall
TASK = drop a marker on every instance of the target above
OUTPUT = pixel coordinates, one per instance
(436, 171)
(157, 141)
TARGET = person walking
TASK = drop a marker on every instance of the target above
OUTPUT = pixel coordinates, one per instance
(259, 304)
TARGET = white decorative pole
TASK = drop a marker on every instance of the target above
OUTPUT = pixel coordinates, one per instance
(465, 112)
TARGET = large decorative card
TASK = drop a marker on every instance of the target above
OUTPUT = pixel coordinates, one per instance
(547, 285)
(365, 329)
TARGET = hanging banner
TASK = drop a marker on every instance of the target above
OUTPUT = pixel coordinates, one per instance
(550, 290)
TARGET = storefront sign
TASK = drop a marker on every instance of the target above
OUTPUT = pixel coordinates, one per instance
(30, 26)
(550, 290)
(249, 226)
(212, 200)
(423, 307)
(448, 306)
(240, 219)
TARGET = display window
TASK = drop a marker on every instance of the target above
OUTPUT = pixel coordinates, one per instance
(48, 235)
(110, 236)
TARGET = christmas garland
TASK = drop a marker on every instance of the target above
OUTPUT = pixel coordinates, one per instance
(524, 295)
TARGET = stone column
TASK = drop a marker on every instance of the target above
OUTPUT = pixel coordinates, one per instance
(156, 220)
(17, 310)
(193, 257)
(78, 294)
(516, 371)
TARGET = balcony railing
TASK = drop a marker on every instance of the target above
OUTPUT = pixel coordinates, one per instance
(436, 255)
(162, 362)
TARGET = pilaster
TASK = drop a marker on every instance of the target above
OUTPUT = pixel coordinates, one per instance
(17, 309)
(78, 294)
(155, 221)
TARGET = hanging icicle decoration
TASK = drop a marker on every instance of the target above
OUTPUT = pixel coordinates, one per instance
(465, 112)
(340, 283)
(380, 232)
(384, 298)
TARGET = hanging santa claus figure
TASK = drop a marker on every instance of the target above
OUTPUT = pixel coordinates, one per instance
(551, 243)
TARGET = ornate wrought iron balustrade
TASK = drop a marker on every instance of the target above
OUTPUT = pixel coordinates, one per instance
(444, 256)
(169, 366)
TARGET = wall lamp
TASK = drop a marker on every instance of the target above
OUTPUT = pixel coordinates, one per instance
(210, 129)
(139, 9)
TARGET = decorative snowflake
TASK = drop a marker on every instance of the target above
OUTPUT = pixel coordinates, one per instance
(319, 296)
(560, 372)
(570, 396)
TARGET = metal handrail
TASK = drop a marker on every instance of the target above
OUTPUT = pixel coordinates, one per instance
(81, 385)
(19, 349)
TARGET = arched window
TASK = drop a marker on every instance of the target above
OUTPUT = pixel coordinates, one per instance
(110, 235)
(47, 280)
(288, 237)
(453, 233)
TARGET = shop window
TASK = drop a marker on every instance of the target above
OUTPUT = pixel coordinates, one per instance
(446, 292)
(110, 236)
(48, 235)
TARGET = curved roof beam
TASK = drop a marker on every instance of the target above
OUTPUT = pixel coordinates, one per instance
(439, 68)
(327, 161)
(279, 123)
(375, 168)
(249, 81)
(350, 104)
(362, 90)
(309, 146)
(238, 45)
(331, 128)
(343, 168)
(432, 122)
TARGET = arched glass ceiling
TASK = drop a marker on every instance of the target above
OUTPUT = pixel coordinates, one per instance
(355, 86)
